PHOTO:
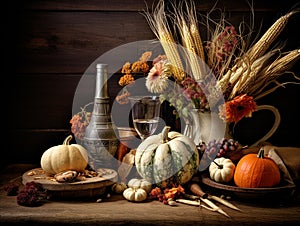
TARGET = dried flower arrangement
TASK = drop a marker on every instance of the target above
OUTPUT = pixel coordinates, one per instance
(225, 73)
(238, 71)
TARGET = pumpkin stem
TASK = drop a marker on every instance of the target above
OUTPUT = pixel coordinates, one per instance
(164, 134)
(67, 140)
(220, 166)
(261, 153)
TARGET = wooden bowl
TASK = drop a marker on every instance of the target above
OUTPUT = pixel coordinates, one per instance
(250, 194)
(89, 188)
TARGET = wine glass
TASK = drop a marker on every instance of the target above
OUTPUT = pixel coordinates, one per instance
(145, 114)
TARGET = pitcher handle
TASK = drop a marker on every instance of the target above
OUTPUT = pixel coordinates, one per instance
(275, 126)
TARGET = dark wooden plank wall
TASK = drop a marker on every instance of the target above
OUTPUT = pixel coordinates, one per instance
(51, 43)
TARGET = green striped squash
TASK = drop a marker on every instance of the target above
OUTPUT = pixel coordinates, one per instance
(167, 159)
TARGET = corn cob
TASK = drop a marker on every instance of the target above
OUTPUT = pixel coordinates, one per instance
(159, 25)
(197, 40)
(195, 34)
(187, 40)
(190, 27)
(251, 75)
(257, 50)
(283, 64)
(233, 75)
(188, 43)
(172, 54)
(267, 39)
(238, 72)
(223, 83)
(242, 82)
(190, 37)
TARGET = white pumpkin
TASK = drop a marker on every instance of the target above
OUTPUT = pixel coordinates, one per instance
(167, 158)
(135, 195)
(221, 170)
(64, 157)
(140, 183)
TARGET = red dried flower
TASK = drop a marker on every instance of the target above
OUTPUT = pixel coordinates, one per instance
(11, 189)
(32, 194)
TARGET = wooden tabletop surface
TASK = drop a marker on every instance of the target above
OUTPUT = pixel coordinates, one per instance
(118, 211)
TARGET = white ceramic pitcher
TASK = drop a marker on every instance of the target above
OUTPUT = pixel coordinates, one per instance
(207, 126)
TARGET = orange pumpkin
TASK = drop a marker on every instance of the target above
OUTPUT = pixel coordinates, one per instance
(256, 171)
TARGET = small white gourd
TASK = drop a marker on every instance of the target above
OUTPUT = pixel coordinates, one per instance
(221, 170)
(140, 183)
(135, 194)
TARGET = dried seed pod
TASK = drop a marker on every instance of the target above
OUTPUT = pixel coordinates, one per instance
(31, 173)
(67, 176)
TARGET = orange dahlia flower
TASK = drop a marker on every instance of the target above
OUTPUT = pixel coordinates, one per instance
(234, 110)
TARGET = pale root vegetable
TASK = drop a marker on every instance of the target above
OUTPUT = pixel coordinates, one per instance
(140, 183)
(135, 195)
(221, 170)
(64, 157)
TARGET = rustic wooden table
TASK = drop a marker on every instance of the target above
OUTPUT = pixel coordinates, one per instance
(117, 211)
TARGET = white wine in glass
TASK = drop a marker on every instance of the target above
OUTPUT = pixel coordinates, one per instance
(145, 114)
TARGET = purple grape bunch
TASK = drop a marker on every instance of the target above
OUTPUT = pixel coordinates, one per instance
(219, 148)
